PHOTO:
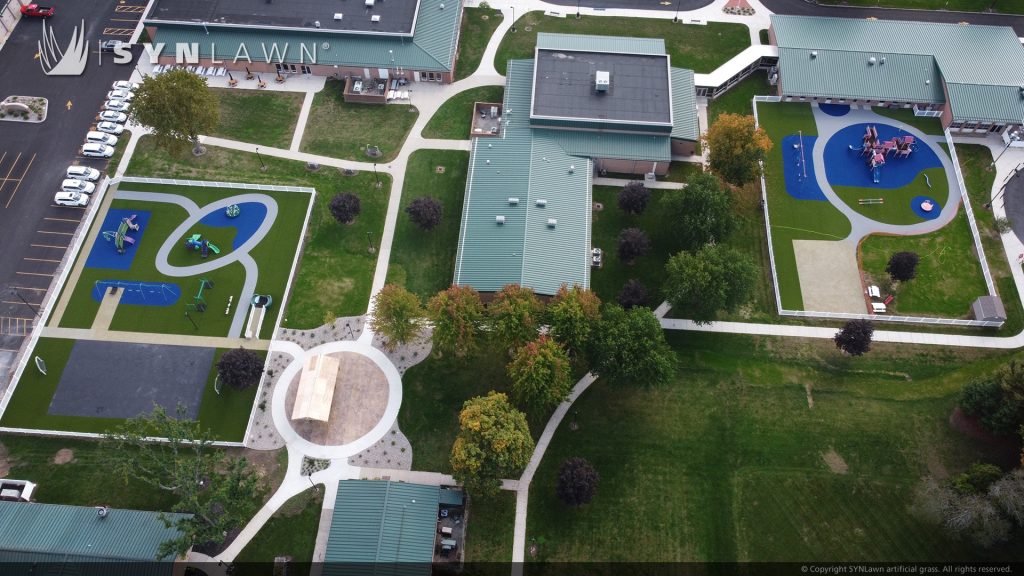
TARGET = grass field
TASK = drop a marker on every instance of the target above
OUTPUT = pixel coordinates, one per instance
(291, 531)
(730, 462)
(270, 254)
(115, 160)
(739, 98)
(225, 415)
(700, 48)
(265, 118)
(478, 25)
(489, 528)
(336, 269)
(1004, 6)
(424, 261)
(896, 208)
(454, 119)
(338, 129)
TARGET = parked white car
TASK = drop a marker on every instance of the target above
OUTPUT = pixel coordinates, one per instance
(101, 138)
(117, 105)
(70, 199)
(125, 85)
(110, 127)
(83, 173)
(94, 150)
(122, 94)
(73, 185)
(113, 116)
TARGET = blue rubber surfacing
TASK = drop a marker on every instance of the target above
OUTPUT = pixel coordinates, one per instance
(835, 109)
(798, 186)
(103, 253)
(845, 167)
(246, 223)
(139, 293)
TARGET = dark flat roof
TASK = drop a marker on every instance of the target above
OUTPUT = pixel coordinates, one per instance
(396, 16)
(563, 87)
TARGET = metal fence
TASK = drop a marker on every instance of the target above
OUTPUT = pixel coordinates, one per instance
(209, 184)
(879, 317)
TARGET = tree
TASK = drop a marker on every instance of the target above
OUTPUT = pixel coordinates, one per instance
(977, 478)
(572, 314)
(425, 212)
(1008, 494)
(855, 337)
(458, 317)
(633, 294)
(633, 243)
(220, 493)
(629, 346)
(700, 213)
(715, 277)
(972, 516)
(633, 197)
(736, 145)
(494, 442)
(396, 315)
(240, 368)
(177, 106)
(577, 482)
(516, 315)
(541, 375)
(902, 266)
(345, 207)
(986, 400)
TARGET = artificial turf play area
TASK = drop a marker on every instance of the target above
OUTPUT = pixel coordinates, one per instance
(171, 274)
(846, 188)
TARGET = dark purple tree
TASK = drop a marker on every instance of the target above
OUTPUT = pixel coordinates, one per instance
(345, 207)
(633, 294)
(855, 337)
(633, 197)
(577, 482)
(240, 368)
(425, 212)
(633, 243)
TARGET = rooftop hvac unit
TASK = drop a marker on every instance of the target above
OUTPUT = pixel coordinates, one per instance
(316, 24)
(375, 18)
(541, 202)
(512, 201)
(499, 219)
(369, 3)
(602, 81)
(338, 15)
(552, 222)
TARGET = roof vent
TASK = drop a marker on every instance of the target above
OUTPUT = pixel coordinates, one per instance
(814, 54)
(541, 202)
(102, 511)
(927, 82)
(572, 168)
(375, 18)
(1020, 90)
(602, 80)
(369, 3)
(499, 219)
(513, 201)
(338, 15)
(552, 222)
(881, 60)
(441, 6)
(316, 24)
(872, 60)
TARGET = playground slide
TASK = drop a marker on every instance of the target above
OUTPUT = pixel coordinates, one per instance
(213, 248)
(876, 174)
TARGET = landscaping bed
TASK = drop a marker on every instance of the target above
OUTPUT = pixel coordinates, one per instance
(24, 109)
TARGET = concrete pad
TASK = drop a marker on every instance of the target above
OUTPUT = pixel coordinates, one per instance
(829, 276)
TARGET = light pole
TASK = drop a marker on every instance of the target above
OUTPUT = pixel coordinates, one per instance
(369, 240)
(513, 18)
(263, 167)
(577, 9)
(375, 177)
(391, 54)
(675, 18)
(1014, 137)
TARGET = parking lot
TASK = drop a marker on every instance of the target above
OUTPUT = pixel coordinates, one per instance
(34, 232)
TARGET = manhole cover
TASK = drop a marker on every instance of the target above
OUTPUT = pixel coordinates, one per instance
(439, 169)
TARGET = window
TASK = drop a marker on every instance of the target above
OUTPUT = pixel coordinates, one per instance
(291, 67)
(306, 69)
(278, 67)
(996, 128)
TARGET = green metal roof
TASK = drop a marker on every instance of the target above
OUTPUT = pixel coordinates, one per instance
(72, 534)
(584, 42)
(684, 105)
(974, 57)
(432, 47)
(382, 527)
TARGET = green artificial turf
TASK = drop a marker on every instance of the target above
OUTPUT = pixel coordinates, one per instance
(478, 25)
(454, 119)
(336, 268)
(260, 117)
(424, 260)
(905, 117)
(730, 463)
(896, 207)
(700, 48)
(339, 129)
(291, 531)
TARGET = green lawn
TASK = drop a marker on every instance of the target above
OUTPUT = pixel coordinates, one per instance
(273, 254)
(739, 98)
(700, 48)
(291, 531)
(905, 117)
(1004, 6)
(341, 130)
(115, 160)
(265, 118)
(896, 208)
(728, 462)
(424, 261)
(336, 269)
(478, 25)
(489, 526)
(226, 415)
(454, 119)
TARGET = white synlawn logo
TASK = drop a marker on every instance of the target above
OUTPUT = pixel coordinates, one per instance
(68, 62)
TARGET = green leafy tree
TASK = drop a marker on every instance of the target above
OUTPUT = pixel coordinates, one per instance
(494, 442)
(977, 478)
(987, 400)
(715, 277)
(515, 315)
(240, 368)
(541, 375)
(177, 106)
(458, 316)
(700, 213)
(572, 314)
(736, 145)
(219, 492)
(397, 314)
(629, 347)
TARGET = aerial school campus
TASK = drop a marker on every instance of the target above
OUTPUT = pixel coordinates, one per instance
(482, 286)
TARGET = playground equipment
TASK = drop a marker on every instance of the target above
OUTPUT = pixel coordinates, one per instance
(257, 312)
(198, 301)
(876, 151)
(927, 205)
(153, 293)
(927, 180)
(232, 211)
(120, 237)
(870, 201)
(204, 247)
